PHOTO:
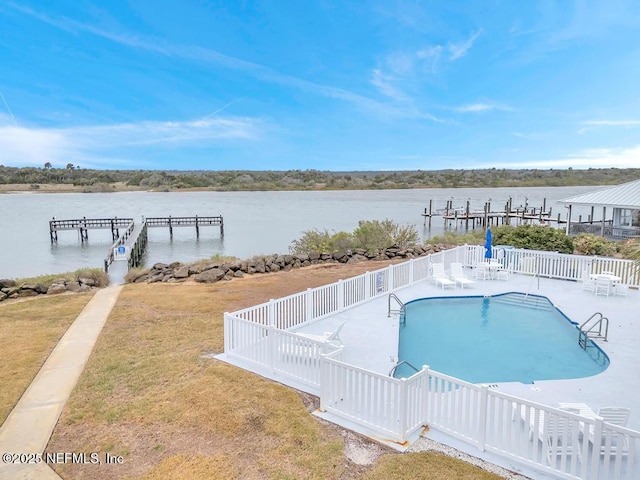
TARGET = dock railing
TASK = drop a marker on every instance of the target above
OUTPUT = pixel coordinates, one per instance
(121, 240)
(559, 442)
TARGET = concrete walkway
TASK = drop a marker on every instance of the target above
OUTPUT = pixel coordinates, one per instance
(28, 427)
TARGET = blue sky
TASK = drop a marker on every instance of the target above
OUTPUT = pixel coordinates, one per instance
(320, 84)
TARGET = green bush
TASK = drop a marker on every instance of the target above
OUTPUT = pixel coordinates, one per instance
(590, 244)
(375, 234)
(369, 235)
(473, 237)
(312, 241)
(533, 237)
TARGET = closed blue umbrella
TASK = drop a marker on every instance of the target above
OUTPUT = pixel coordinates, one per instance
(487, 244)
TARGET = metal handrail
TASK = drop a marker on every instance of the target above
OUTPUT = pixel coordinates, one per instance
(395, 297)
(393, 370)
(584, 333)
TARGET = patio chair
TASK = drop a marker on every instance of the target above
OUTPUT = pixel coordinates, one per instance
(561, 437)
(458, 276)
(328, 337)
(588, 284)
(439, 277)
(621, 289)
(481, 271)
(503, 274)
(618, 416)
(603, 286)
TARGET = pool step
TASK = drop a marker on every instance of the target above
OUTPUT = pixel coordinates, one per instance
(521, 299)
(596, 354)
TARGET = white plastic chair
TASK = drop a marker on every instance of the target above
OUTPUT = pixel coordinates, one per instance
(618, 416)
(603, 286)
(328, 337)
(621, 289)
(588, 284)
(458, 276)
(561, 437)
(503, 274)
(440, 278)
(481, 271)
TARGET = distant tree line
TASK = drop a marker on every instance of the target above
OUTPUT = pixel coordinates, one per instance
(225, 180)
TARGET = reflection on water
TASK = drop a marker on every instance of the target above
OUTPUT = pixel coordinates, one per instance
(484, 312)
(255, 222)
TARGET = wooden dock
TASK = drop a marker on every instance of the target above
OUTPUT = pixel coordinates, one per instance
(487, 217)
(196, 222)
(131, 244)
(83, 225)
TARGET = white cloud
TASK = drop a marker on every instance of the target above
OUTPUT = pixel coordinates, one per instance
(91, 146)
(590, 158)
(481, 107)
(459, 50)
(385, 83)
(206, 55)
(606, 123)
(430, 58)
(612, 123)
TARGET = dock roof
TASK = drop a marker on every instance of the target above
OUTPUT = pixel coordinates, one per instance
(626, 195)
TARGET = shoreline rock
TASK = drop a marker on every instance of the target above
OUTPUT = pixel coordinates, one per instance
(10, 289)
(213, 271)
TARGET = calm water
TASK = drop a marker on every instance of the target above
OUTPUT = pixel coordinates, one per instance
(255, 222)
(482, 340)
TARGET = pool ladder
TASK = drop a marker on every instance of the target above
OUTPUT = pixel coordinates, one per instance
(402, 311)
(403, 362)
(592, 328)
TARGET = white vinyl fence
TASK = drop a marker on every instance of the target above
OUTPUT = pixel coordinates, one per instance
(548, 439)
(555, 441)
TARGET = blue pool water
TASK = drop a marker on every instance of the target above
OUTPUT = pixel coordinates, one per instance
(503, 338)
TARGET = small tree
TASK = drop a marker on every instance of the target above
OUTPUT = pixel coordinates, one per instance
(375, 234)
(47, 165)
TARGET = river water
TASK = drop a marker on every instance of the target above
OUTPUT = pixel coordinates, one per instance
(254, 222)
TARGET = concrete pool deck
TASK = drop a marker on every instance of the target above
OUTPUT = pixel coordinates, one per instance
(371, 339)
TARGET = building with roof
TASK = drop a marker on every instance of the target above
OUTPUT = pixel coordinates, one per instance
(620, 206)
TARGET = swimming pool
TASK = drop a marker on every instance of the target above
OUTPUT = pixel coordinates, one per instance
(503, 338)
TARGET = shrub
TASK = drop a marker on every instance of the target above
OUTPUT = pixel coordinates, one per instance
(312, 241)
(369, 235)
(375, 234)
(533, 237)
(630, 250)
(474, 237)
(590, 244)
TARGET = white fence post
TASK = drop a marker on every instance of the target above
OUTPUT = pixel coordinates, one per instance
(597, 441)
(324, 381)
(482, 425)
(227, 332)
(273, 346)
(367, 285)
(403, 407)
(340, 305)
(271, 313)
(390, 279)
(309, 304)
(411, 268)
